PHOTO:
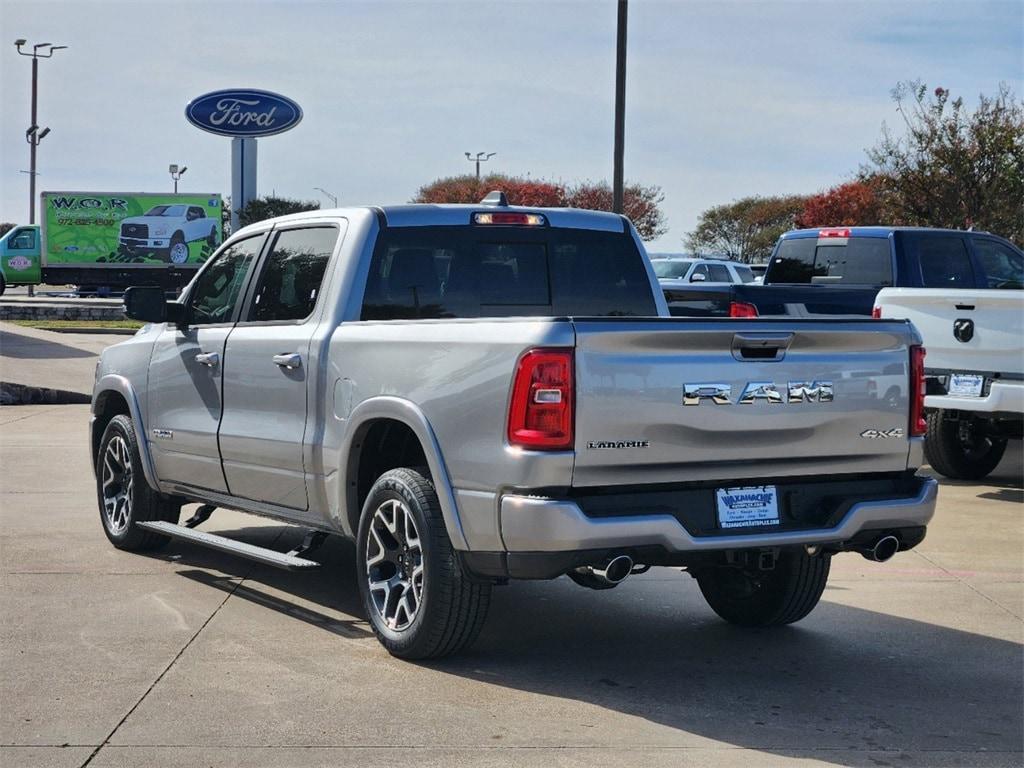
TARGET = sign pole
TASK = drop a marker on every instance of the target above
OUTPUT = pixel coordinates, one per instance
(243, 176)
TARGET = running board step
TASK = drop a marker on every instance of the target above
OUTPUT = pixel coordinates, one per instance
(224, 544)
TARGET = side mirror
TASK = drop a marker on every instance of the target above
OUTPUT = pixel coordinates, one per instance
(698, 278)
(147, 303)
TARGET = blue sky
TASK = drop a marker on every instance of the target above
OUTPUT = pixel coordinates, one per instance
(724, 99)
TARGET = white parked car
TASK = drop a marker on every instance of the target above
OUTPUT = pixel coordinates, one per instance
(168, 229)
(675, 271)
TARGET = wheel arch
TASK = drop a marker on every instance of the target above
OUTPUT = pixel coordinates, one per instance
(115, 395)
(380, 437)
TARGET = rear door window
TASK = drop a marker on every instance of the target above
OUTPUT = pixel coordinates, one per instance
(1004, 267)
(451, 272)
(942, 258)
(857, 261)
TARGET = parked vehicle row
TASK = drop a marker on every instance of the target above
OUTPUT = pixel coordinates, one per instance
(479, 393)
(839, 271)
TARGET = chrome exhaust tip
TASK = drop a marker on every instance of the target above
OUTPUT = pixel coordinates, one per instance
(615, 570)
(605, 576)
(883, 549)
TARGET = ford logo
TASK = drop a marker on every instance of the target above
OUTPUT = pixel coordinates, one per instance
(243, 112)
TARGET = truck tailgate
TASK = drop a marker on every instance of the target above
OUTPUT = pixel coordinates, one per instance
(632, 425)
(991, 326)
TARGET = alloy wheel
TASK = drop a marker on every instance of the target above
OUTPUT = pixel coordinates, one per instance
(118, 483)
(394, 564)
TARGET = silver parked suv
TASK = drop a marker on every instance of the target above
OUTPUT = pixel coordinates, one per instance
(478, 393)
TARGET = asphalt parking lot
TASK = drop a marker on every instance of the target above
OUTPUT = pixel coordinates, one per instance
(191, 657)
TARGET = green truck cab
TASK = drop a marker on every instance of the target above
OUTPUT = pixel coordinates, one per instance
(19, 257)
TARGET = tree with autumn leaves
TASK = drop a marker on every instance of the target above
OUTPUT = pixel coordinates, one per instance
(641, 203)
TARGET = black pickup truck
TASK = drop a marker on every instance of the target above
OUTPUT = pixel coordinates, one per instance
(839, 271)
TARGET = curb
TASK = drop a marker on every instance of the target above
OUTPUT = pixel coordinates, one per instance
(23, 394)
(94, 331)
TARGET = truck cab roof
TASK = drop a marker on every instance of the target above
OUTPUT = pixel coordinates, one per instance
(873, 231)
(433, 215)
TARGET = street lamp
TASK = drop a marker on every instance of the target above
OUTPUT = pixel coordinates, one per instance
(176, 173)
(481, 157)
(33, 135)
(325, 193)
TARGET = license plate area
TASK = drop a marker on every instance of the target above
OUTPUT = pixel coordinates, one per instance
(747, 507)
(966, 385)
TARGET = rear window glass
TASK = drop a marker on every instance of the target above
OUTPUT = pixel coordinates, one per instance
(860, 261)
(450, 272)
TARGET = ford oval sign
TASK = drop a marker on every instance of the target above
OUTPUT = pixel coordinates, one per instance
(243, 112)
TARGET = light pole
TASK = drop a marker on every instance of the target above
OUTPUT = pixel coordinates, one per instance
(481, 157)
(325, 193)
(620, 107)
(176, 173)
(33, 135)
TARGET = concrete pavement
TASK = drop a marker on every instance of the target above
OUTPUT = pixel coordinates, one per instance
(40, 358)
(190, 657)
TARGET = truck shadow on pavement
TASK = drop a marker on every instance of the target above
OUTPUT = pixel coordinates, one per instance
(843, 682)
(29, 348)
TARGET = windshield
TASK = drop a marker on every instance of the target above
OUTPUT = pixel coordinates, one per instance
(173, 211)
(671, 269)
(857, 261)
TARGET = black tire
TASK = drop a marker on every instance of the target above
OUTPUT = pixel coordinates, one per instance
(766, 598)
(141, 502)
(3, 285)
(957, 450)
(451, 607)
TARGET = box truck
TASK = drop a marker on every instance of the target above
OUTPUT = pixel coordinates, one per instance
(113, 240)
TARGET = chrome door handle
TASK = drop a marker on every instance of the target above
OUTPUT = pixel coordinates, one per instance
(209, 359)
(290, 361)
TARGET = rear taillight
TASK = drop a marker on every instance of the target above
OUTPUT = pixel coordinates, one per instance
(540, 415)
(918, 425)
(876, 312)
(742, 309)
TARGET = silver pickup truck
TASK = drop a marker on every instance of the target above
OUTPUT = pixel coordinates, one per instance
(483, 393)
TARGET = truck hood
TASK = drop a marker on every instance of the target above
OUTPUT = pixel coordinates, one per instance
(152, 221)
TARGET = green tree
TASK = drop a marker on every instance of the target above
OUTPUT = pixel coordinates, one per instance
(269, 206)
(746, 229)
(950, 166)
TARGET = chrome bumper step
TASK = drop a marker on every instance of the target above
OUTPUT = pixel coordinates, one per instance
(223, 544)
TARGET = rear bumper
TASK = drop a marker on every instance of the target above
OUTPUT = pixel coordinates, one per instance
(543, 537)
(530, 524)
(1003, 397)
